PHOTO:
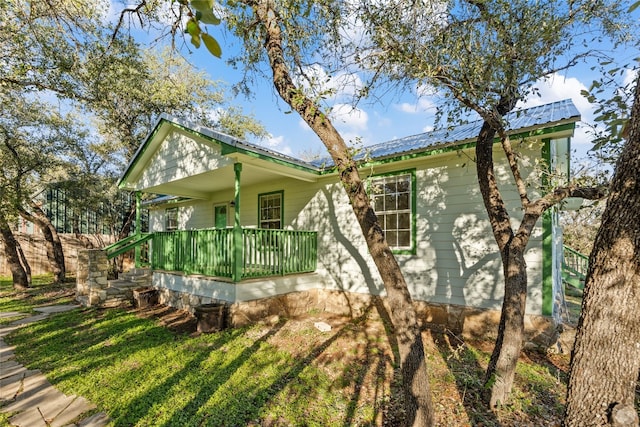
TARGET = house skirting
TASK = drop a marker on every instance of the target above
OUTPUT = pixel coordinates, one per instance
(469, 322)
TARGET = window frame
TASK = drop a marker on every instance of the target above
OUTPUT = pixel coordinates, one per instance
(411, 174)
(167, 218)
(279, 193)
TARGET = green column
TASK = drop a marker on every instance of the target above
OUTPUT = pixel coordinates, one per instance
(237, 228)
(138, 225)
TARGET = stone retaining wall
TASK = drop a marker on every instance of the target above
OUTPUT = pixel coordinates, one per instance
(466, 321)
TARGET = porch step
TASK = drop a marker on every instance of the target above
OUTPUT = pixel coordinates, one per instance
(116, 301)
(120, 291)
(121, 284)
(137, 274)
(118, 296)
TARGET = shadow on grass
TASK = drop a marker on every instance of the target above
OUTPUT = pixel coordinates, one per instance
(300, 381)
(375, 363)
(144, 374)
(468, 373)
(85, 340)
(208, 385)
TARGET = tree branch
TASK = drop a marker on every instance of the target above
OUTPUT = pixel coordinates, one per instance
(561, 193)
(513, 164)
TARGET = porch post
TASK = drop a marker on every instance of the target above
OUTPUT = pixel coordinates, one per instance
(237, 229)
(138, 226)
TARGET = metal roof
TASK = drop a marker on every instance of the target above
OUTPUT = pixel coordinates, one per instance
(520, 120)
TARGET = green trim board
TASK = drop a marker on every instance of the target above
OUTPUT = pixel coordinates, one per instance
(547, 242)
(547, 263)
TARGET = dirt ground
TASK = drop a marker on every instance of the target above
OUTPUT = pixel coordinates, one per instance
(361, 347)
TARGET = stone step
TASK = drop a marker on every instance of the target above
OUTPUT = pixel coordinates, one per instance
(137, 273)
(122, 284)
(143, 278)
(114, 292)
(116, 301)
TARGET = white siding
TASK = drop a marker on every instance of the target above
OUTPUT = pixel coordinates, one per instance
(456, 258)
(180, 156)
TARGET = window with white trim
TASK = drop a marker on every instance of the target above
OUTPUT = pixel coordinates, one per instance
(171, 219)
(270, 210)
(391, 198)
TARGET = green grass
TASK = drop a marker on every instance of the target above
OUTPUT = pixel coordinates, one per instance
(41, 292)
(147, 376)
(287, 374)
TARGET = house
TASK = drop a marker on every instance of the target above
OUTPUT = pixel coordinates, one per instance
(270, 234)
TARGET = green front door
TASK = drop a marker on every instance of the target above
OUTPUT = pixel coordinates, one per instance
(220, 213)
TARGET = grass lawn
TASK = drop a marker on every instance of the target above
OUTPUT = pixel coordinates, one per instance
(286, 374)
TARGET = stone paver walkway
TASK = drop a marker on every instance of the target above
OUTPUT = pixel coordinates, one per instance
(28, 395)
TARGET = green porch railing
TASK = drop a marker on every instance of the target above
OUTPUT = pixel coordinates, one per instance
(211, 252)
(278, 252)
(126, 244)
(205, 252)
(574, 267)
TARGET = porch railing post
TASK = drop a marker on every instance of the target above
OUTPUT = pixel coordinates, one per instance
(237, 229)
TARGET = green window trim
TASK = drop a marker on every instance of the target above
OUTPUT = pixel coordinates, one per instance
(397, 197)
(268, 212)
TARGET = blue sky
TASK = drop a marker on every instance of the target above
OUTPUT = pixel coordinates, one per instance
(395, 115)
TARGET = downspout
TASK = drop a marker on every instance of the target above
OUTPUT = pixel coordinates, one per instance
(237, 249)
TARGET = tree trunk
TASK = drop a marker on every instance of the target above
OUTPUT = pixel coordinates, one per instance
(417, 394)
(53, 244)
(606, 356)
(502, 365)
(20, 277)
(24, 262)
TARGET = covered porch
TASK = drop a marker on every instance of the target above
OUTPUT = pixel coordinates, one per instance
(185, 165)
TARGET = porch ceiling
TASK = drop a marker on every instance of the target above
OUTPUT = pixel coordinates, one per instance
(206, 185)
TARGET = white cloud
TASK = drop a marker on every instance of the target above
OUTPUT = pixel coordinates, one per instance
(349, 118)
(630, 76)
(556, 88)
(420, 106)
(424, 100)
(277, 143)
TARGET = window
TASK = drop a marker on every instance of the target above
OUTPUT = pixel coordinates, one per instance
(171, 219)
(392, 200)
(270, 210)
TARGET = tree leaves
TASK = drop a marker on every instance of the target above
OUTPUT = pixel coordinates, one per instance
(212, 45)
(203, 14)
